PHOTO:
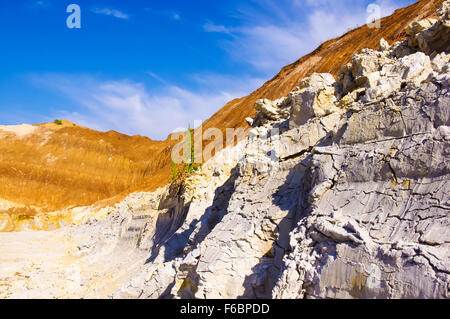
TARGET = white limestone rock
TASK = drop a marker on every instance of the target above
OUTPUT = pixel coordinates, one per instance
(416, 68)
(384, 45)
(316, 97)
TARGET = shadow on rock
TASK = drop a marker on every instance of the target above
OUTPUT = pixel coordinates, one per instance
(180, 244)
(291, 196)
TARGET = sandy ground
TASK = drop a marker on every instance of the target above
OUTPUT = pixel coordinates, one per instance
(19, 130)
(64, 264)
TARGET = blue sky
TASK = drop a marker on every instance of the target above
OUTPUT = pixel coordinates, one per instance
(149, 67)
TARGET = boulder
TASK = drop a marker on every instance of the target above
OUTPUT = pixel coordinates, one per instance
(362, 70)
(267, 109)
(419, 26)
(315, 98)
(384, 45)
(441, 63)
(401, 49)
(249, 120)
(317, 80)
(270, 110)
(437, 38)
(349, 99)
(368, 61)
(345, 79)
(416, 68)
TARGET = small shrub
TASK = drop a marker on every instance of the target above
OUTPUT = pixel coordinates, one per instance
(181, 171)
(58, 122)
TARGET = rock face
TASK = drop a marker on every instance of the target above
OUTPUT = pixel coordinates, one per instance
(436, 38)
(376, 223)
(378, 192)
(341, 190)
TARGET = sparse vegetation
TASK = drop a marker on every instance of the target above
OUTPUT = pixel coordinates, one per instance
(58, 122)
(181, 171)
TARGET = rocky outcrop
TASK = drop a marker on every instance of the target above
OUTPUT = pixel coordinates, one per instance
(435, 39)
(377, 218)
(359, 170)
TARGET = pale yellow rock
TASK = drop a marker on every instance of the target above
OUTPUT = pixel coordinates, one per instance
(315, 98)
(384, 45)
(418, 26)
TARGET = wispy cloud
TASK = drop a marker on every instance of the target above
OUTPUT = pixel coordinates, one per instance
(42, 3)
(157, 77)
(38, 4)
(211, 27)
(172, 15)
(271, 34)
(175, 16)
(129, 107)
(111, 12)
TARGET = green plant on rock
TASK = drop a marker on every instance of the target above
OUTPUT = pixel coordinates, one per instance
(181, 171)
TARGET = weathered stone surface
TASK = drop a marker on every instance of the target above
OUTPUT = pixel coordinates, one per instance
(267, 109)
(384, 45)
(441, 63)
(270, 110)
(437, 37)
(419, 26)
(315, 98)
(415, 67)
(365, 70)
(371, 230)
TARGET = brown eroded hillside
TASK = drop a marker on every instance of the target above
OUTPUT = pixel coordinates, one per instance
(50, 167)
(54, 166)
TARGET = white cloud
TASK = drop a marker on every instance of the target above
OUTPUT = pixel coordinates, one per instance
(211, 27)
(176, 16)
(173, 15)
(130, 108)
(389, 6)
(273, 34)
(42, 3)
(111, 12)
(37, 4)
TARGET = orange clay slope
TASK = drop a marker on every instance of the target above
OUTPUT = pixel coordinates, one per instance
(49, 167)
